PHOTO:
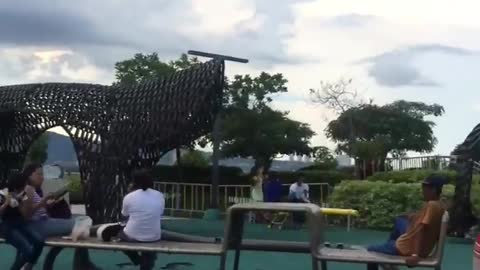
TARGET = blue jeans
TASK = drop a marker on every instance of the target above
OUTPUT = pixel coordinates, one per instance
(389, 247)
(49, 227)
(28, 243)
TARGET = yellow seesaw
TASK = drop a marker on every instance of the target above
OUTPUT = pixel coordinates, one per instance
(280, 218)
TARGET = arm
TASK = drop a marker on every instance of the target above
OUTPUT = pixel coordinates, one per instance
(415, 258)
(125, 212)
(421, 236)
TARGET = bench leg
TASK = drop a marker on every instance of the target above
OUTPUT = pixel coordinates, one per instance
(236, 262)
(223, 261)
(50, 258)
(314, 264)
(81, 260)
(324, 265)
(372, 266)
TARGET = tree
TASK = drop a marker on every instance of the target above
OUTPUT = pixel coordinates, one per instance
(252, 129)
(338, 96)
(195, 158)
(38, 152)
(324, 159)
(146, 67)
(371, 132)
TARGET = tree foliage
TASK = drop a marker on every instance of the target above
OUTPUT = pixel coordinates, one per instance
(38, 152)
(149, 66)
(251, 128)
(195, 158)
(324, 159)
(378, 130)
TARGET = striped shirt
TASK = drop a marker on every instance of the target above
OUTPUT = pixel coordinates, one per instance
(41, 213)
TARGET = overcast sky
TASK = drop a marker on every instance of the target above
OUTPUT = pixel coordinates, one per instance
(415, 50)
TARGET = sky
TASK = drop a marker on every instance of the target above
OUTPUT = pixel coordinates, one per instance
(426, 51)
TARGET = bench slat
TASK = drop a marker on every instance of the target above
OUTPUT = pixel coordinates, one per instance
(160, 247)
(361, 255)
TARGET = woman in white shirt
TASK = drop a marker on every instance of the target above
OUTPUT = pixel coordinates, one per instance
(143, 207)
(256, 190)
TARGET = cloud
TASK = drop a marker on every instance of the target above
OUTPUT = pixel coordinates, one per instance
(397, 68)
(108, 31)
(350, 20)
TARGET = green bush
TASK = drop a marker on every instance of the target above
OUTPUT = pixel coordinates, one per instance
(75, 189)
(379, 202)
(409, 176)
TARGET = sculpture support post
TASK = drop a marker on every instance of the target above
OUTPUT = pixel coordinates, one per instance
(213, 212)
(461, 211)
(215, 160)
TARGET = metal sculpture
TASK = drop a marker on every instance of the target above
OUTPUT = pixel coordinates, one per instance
(462, 217)
(114, 129)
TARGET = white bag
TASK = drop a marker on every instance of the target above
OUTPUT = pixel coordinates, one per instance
(81, 229)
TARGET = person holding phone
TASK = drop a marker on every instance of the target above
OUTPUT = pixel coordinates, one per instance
(38, 205)
(13, 212)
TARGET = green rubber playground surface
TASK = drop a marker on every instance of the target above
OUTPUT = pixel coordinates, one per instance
(458, 253)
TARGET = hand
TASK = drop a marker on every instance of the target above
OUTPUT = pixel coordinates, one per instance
(8, 198)
(51, 202)
(412, 261)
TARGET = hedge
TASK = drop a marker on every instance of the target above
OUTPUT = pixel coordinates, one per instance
(379, 202)
(410, 176)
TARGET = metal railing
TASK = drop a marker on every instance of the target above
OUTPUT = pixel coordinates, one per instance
(192, 197)
(425, 162)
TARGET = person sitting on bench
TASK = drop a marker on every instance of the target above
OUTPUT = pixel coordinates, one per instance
(143, 207)
(415, 235)
(299, 193)
(14, 227)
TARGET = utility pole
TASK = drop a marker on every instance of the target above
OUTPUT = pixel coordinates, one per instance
(216, 133)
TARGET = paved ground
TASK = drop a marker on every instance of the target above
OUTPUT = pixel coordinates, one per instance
(458, 253)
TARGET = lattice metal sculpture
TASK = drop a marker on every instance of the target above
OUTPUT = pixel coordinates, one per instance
(114, 129)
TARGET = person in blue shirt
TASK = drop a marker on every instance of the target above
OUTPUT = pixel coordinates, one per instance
(272, 188)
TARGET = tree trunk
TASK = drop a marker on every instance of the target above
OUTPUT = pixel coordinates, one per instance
(266, 163)
(461, 216)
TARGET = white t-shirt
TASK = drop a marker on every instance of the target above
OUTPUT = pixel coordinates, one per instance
(299, 191)
(144, 209)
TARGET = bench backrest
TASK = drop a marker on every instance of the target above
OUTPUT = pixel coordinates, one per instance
(236, 217)
(437, 254)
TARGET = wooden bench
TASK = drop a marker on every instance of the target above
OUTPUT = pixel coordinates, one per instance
(361, 255)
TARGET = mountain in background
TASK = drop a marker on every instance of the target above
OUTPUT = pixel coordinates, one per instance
(62, 152)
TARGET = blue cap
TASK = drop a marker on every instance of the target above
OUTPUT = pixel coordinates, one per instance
(435, 180)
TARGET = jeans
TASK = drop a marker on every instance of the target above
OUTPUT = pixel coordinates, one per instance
(400, 226)
(28, 243)
(49, 227)
(298, 218)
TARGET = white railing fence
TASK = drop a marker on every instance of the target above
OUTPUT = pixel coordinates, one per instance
(191, 197)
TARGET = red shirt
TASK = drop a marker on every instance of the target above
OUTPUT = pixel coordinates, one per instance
(476, 248)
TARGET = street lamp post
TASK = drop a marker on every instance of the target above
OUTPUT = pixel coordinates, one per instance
(216, 136)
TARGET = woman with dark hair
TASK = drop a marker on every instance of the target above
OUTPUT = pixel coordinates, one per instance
(38, 215)
(14, 225)
(143, 206)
